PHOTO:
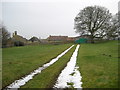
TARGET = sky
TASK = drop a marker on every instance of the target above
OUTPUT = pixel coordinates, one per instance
(42, 18)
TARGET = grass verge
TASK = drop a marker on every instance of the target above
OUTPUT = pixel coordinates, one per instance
(99, 65)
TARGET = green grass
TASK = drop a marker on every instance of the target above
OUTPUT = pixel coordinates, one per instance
(19, 61)
(48, 77)
(99, 65)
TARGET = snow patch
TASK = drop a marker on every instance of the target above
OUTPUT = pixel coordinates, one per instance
(24, 80)
(70, 76)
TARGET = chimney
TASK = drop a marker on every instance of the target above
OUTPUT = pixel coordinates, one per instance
(15, 33)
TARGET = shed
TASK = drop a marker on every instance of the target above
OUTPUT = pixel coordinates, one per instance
(81, 40)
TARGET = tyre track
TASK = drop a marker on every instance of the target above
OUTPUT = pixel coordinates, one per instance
(24, 80)
(70, 76)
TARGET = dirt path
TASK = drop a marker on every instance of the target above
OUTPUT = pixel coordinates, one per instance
(70, 76)
(24, 80)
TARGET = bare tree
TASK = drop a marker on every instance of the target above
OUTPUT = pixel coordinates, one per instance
(5, 36)
(113, 31)
(93, 21)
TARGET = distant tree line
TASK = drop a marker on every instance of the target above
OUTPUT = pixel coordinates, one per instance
(97, 22)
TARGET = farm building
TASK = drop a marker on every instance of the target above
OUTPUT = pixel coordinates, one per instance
(57, 38)
(18, 37)
(44, 41)
(18, 40)
(34, 39)
(82, 39)
(71, 39)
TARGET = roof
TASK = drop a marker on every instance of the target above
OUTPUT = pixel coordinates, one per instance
(71, 38)
(57, 38)
(34, 39)
(19, 38)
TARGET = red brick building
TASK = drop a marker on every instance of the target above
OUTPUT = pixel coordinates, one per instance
(57, 38)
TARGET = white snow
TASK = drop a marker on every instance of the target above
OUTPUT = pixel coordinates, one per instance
(24, 80)
(70, 75)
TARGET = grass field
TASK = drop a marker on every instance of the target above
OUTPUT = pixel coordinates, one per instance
(19, 61)
(99, 65)
(48, 77)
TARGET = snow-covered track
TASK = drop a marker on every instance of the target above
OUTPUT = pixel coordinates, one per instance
(70, 76)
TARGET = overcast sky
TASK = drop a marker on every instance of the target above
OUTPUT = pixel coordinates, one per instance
(43, 18)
